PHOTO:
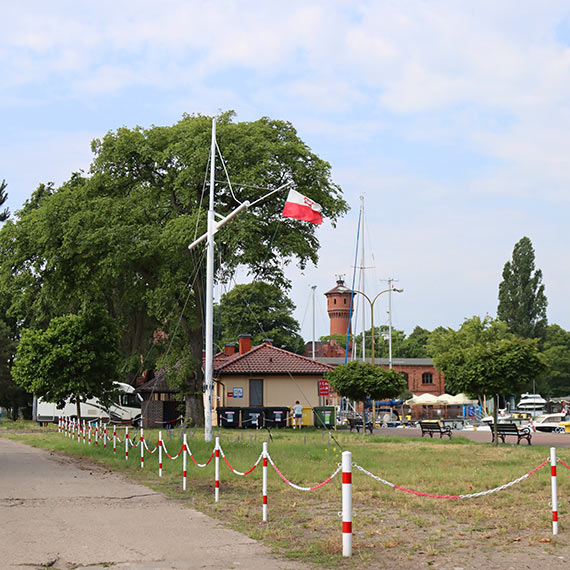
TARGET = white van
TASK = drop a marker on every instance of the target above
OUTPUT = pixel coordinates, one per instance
(126, 410)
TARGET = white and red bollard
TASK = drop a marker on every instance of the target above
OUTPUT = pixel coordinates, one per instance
(346, 503)
(126, 443)
(264, 482)
(184, 470)
(554, 490)
(159, 454)
(142, 447)
(114, 438)
(217, 471)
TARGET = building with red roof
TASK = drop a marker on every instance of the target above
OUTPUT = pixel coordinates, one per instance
(266, 376)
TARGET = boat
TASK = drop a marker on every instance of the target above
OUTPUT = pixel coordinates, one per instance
(533, 403)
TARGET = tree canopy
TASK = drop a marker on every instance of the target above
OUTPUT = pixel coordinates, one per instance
(77, 356)
(522, 300)
(118, 236)
(262, 310)
(359, 380)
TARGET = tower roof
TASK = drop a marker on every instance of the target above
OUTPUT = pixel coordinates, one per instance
(340, 288)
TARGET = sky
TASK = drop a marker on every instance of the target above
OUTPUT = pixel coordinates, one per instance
(451, 119)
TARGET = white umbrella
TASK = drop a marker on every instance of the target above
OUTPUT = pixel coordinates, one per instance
(424, 399)
(446, 399)
(463, 400)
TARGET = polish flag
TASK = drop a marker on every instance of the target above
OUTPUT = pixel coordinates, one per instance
(302, 208)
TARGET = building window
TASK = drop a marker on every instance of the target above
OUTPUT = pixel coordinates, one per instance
(427, 378)
(334, 301)
(406, 376)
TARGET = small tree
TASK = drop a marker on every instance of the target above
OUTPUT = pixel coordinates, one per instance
(262, 310)
(359, 380)
(76, 357)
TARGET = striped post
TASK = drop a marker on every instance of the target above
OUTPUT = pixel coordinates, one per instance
(84, 431)
(217, 471)
(114, 438)
(159, 454)
(142, 447)
(264, 481)
(96, 426)
(126, 443)
(184, 472)
(346, 503)
(89, 433)
(554, 490)
(105, 436)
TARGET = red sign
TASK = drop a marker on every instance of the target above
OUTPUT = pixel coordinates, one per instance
(230, 394)
(324, 388)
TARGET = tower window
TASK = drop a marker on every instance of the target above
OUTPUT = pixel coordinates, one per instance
(334, 301)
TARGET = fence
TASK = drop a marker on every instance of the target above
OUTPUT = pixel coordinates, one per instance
(86, 432)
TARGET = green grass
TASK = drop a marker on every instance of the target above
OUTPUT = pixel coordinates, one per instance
(388, 524)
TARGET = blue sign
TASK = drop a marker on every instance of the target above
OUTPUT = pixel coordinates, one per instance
(238, 392)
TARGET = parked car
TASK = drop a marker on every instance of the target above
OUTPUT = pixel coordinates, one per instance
(548, 422)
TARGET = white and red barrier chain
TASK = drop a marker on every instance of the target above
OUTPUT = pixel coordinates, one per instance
(436, 496)
(69, 427)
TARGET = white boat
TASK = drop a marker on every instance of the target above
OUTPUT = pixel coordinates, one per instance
(533, 403)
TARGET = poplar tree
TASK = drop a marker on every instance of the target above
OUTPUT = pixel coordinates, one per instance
(522, 301)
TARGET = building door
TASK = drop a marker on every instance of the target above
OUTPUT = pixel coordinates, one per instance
(256, 392)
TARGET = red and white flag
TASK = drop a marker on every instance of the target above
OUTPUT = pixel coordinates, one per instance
(302, 208)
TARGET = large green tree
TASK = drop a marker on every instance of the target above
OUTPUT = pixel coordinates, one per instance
(262, 310)
(119, 236)
(555, 380)
(5, 213)
(522, 300)
(76, 357)
(498, 367)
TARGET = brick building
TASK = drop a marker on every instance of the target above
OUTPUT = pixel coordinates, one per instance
(420, 373)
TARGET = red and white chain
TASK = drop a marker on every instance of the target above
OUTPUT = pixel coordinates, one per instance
(436, 496)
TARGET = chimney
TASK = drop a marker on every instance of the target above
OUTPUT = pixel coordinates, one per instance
(268, 341)
(244, 341)
(229, 349)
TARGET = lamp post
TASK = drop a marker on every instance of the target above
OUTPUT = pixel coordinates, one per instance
(371, 302)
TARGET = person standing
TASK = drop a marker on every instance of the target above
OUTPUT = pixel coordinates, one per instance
(297, 415)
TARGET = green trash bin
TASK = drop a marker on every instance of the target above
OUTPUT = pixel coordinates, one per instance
(325, 416)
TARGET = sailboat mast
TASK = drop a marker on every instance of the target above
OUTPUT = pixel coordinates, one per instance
(361, 280)
(209, 316)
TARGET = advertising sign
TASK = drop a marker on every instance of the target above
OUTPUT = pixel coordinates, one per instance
(324, 388)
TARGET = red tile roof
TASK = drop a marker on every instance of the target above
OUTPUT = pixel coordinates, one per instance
(268, 359)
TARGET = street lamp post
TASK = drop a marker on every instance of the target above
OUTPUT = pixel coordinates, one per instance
(371, 302)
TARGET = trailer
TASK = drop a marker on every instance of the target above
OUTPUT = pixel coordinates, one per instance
(127, 408)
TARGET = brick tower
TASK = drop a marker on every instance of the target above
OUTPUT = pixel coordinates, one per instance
(338, 308)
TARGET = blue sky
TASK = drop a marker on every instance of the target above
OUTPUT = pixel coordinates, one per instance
(452, 119)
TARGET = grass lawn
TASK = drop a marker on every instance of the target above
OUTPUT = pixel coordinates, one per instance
(391, 527)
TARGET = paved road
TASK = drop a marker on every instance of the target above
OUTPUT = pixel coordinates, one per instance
(56, 514)
(538, 438)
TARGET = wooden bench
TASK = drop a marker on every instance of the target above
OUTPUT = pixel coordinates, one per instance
(431, 427)
(356, 423)
(511, 429)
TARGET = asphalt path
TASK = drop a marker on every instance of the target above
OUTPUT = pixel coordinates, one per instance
(58, 513)
(483, 436)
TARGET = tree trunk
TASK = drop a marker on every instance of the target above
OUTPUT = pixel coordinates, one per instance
(495, 419)
(78, 407)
